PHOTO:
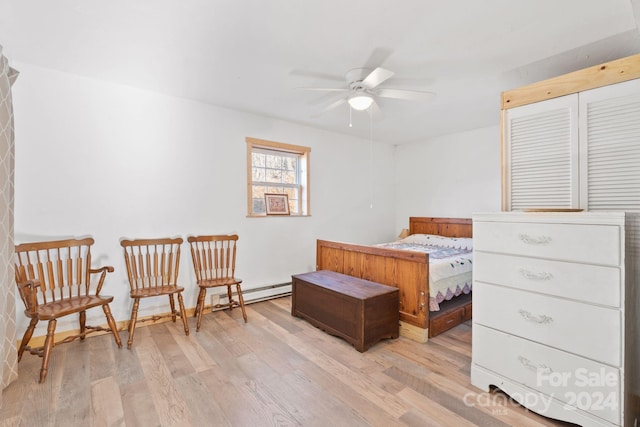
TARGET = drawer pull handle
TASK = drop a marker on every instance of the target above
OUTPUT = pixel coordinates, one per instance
(535, 276)
(542, 319)
(533, 240)
(544, 369)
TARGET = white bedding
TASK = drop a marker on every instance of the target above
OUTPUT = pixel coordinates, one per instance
(450, 264)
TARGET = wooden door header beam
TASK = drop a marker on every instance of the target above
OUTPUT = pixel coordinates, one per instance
(604, 74)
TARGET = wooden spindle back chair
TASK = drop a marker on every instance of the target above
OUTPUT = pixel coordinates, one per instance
(54, 280)
(214, 263)
(152, 269)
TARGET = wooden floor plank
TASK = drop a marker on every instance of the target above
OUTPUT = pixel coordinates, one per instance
(483, 401)
(168, 402)
(204, 410)
(226, 324)
(128, 369)
(44, 398)
(327, 408)
(74, 400)
(341, 350)
(238, 402)
(274, 370)
(11, 421)
(390, 358)
(277, 315)
(16, 395)
(172, 354)
(370, 412)
(102, 358)
(278, 358)
(414, 418)
(359, 384)
(106, 403)
(192, 350)
(282, 303)
(139, 409)
(437, 413)
(440, 397)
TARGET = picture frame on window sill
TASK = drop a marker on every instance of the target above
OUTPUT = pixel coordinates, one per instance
(276, 204)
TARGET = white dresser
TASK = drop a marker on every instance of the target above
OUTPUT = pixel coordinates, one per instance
(555, 313)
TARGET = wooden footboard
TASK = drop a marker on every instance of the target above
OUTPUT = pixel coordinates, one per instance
(407, 271)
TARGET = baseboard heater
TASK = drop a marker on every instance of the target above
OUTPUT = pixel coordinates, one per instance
(262, 293)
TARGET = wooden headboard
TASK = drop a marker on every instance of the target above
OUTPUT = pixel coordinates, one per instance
(448, 227)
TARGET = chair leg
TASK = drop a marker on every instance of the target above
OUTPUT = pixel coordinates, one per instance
(83, 321)
(27, 337)
(172, 303)
(183, 313)
(132, 322)
(112, 324)
(241, 301)
(230, 297)
(200, 307)
(195, 313)
(48, 346)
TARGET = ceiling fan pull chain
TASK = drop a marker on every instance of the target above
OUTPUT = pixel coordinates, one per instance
(350, 110)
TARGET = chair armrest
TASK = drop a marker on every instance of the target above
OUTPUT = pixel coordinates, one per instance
(29, 294)
(103, 271)
(107, 268)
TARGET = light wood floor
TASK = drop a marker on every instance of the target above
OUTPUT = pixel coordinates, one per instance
(276, 370)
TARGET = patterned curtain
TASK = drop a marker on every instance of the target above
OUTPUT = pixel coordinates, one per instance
(8, 351)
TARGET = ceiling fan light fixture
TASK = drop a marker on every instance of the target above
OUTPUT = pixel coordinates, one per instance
(360, 102)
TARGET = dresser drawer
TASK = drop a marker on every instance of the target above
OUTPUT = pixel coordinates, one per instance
(590, 283)
(597, 244)
(576, 381)
(584, 329)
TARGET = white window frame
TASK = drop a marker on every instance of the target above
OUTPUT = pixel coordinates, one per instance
(261, 145)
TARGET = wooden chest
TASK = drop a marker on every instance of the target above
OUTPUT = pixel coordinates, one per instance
(360, 311)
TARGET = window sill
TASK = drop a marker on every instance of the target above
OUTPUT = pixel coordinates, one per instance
(277, 216)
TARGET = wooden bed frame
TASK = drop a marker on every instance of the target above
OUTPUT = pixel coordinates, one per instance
(408, 271)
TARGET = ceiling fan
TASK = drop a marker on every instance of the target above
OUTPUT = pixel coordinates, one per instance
(363, 87)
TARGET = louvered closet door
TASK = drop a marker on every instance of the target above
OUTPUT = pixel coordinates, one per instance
(610, 147)
(541, 161)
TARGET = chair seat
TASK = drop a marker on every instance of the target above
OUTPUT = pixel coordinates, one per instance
(226, 281)
(55, 309)
(155, 291)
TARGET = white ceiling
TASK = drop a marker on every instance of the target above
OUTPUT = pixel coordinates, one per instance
(251, 55)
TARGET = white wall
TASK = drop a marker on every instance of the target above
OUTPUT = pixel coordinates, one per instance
(451, 176)
(110, 161)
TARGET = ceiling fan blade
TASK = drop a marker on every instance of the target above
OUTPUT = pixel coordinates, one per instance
(375, 112)
(409, 95)
(376, 77)
(326, 98)
(378, 57)
(335, 104)
(331, 106)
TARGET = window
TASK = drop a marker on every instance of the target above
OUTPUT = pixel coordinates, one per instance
(274, 167)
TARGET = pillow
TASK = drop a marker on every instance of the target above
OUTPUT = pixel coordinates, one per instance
(435, 240)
